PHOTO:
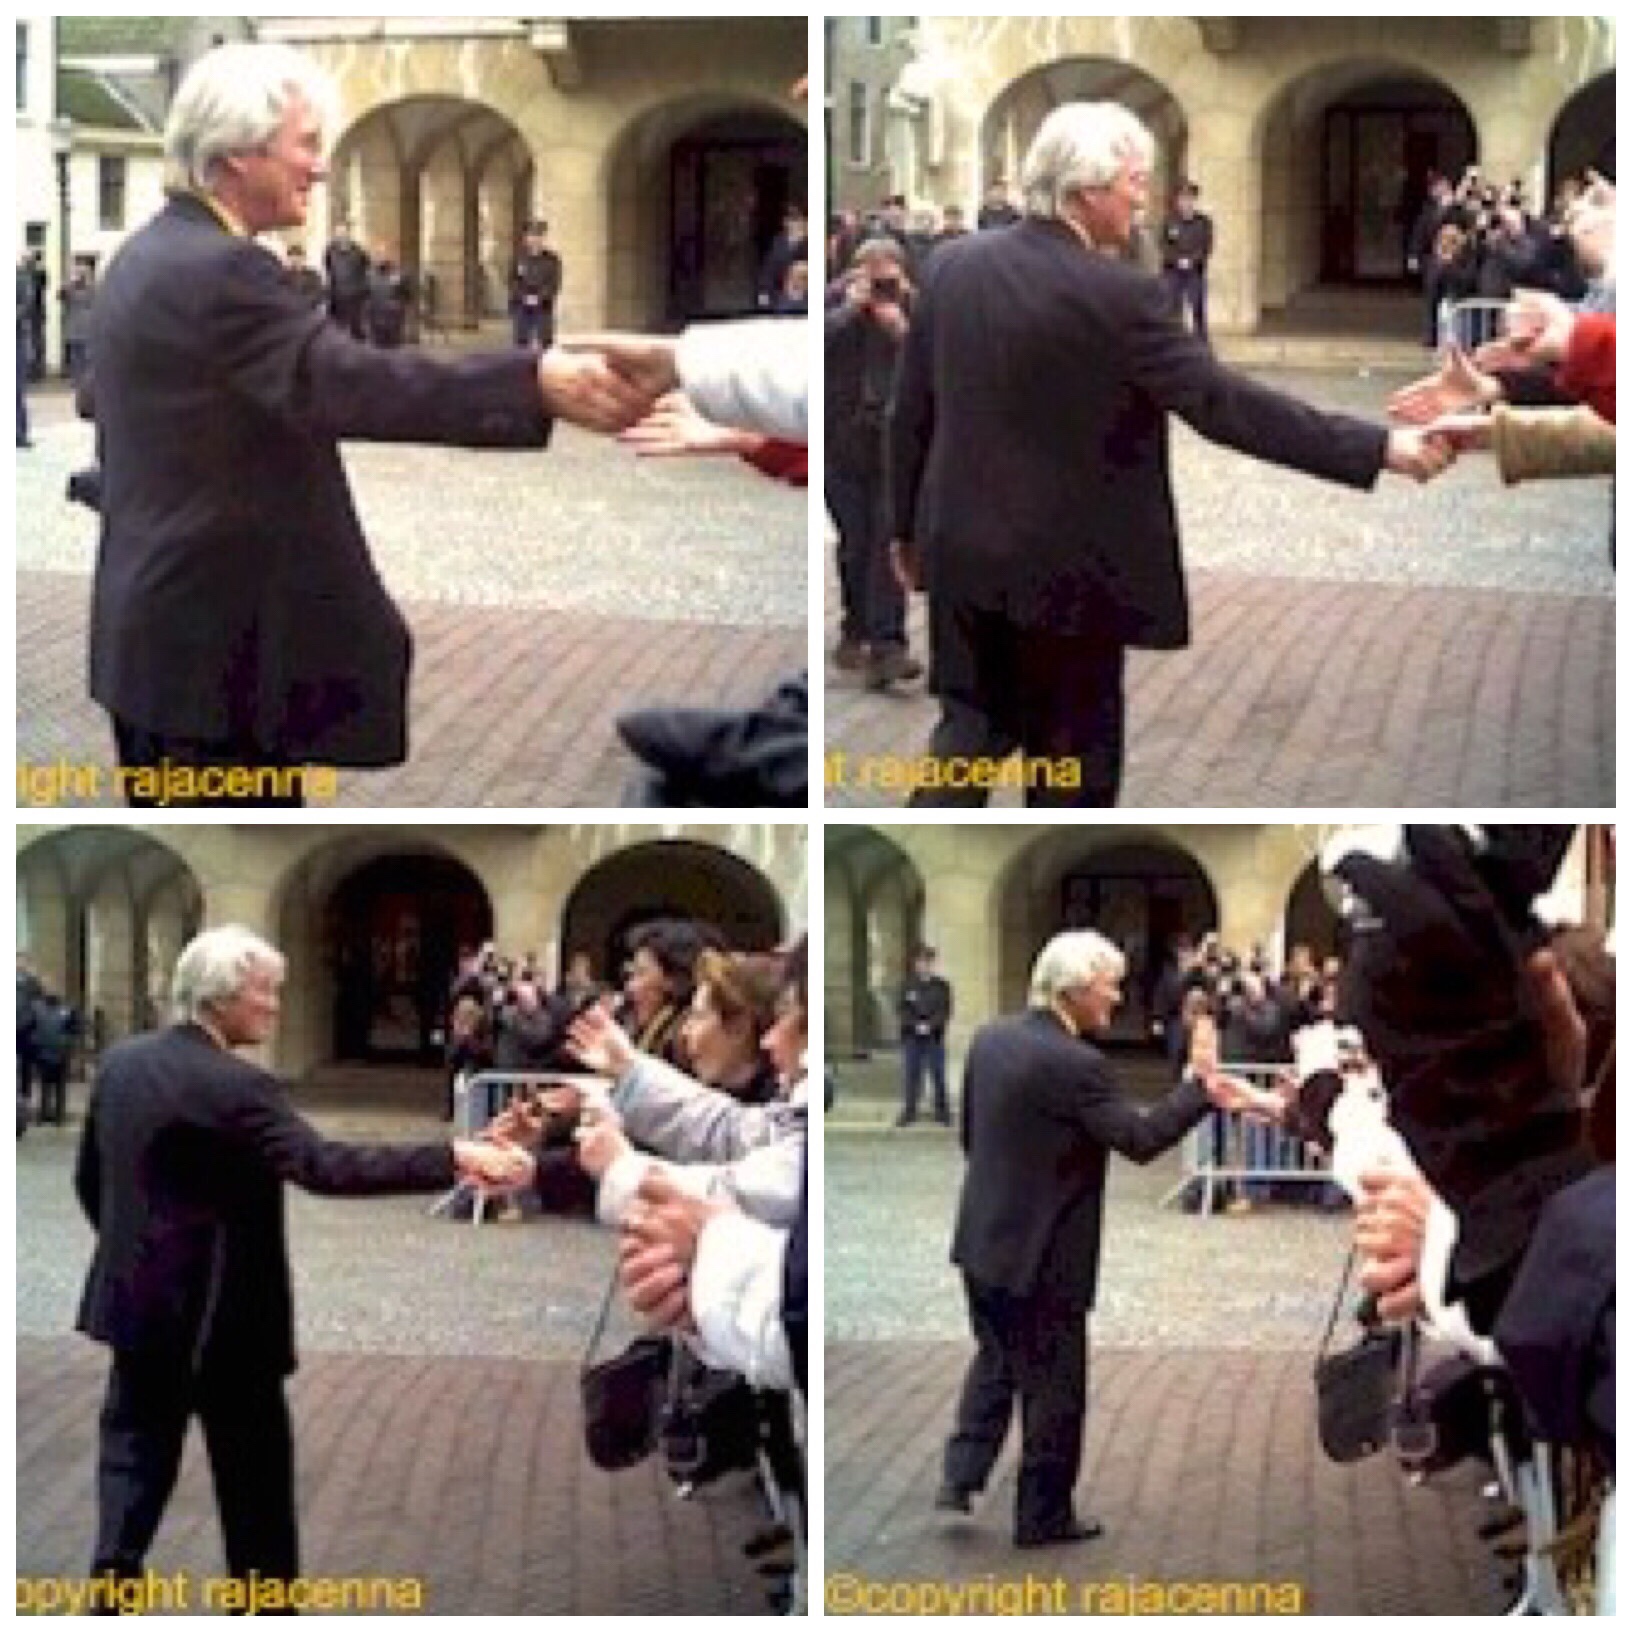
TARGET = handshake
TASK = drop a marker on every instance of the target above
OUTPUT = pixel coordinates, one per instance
(492, 1165)
(608, 383)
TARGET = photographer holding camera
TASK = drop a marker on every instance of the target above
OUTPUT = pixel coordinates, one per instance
(867, 323)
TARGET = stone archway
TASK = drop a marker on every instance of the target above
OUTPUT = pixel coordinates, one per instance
(372, 924)
(1345, 151)
(444, 186)
(668, 878)
(695, 192)
(875, 901)
(1139, 888)
(1311, 920)
(104, 912)
(1583, 135)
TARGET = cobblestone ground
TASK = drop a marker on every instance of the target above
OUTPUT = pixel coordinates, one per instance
(437, 1422)
(1201, 1458)
(548, 593)
(1453, 646)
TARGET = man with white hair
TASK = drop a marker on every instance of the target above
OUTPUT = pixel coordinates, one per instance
(1041, 1115)
(1030, 460)
(238, 620)
(181, 1171)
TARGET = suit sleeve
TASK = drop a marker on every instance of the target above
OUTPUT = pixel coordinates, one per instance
(1181, 375)
(273, 350)
(1109, 1117)
(911, 423)
(256, 1116)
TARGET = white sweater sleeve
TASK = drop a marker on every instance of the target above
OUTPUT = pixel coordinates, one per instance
(736, 1300)
(752, 376)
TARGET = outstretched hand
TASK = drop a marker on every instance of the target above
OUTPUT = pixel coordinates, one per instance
(1418, 454)
(1235, 1094)
(1539, 326)
(675, 428)
(1458, 387)
(599, 1042)
(588, 392)
(648, 362)
(492, 1166)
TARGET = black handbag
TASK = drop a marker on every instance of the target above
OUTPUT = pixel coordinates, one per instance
(1356, 1388)
(623, 1397)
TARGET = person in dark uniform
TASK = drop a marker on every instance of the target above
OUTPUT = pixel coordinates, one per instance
(535, 287)
(346, 266)
(181, 1169)
(1031, 481)
(1041, 1115)
(1187, 247)
(389, 296)
(56, 1030)
(304, 278)
(926, 1011)
(996, 210)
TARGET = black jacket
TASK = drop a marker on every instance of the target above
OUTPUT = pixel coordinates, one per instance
(1029, 438)
(1189, 241)
(926, 1007)
(235, 596)
(1041, 1115)
(182, 1164)
(861, 361)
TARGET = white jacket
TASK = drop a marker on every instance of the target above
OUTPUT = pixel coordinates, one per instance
(736, 1300)
(752, 376)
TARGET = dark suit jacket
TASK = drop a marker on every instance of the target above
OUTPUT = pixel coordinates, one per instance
(181, 1171)
(235, 597)
(1030, 440)
(1041, 1115)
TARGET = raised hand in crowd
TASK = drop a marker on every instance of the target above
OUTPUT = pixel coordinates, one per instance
(492, 1166)
(521, 1122)
(1418, 454)
(660, 1236)
(587, 391)
(1391, 1224)
(1539, 326)
(601, 1141)
(1459, 387)
(597, 1040)
(648, 362)
(674, 428)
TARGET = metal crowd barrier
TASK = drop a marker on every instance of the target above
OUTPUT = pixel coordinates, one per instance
(1471, 324)
(1228, 1148)
(479, 1097)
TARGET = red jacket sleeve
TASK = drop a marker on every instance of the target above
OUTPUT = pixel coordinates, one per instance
(1588, 373)
(784, 461)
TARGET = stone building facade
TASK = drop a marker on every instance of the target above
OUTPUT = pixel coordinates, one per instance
(371, 918)
(1310, 137)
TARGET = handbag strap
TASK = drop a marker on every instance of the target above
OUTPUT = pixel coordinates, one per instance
(600, 1321)
(1337, 1304)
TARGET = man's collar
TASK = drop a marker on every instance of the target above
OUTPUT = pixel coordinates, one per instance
(1057, 1009)
(219, 210)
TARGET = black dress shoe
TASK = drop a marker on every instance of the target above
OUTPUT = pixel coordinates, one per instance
(952, 1498)
(1061, 1534)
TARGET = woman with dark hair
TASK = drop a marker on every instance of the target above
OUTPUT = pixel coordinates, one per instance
(659, 983)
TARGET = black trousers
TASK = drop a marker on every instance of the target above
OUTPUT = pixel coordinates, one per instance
(1033, 1349)
(53, 1091)
(1058, 699)
(140, 749)
(150, 1402)
(873, 604)
(921, 1056)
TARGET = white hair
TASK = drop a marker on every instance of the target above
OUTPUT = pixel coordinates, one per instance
(215, 966)
(1071, 959)
(1081, 146)
(233, 101)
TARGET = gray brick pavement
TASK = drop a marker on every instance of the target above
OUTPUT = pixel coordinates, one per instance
(1201, 1464)
(464, 1475)
(1314, 694)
